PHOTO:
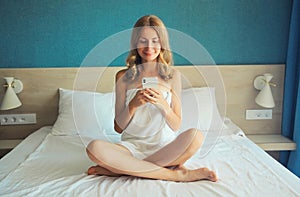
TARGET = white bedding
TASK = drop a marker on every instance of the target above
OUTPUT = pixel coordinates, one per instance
(48, 165)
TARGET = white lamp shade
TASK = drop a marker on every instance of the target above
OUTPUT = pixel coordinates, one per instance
(10, 99)
(265, 97)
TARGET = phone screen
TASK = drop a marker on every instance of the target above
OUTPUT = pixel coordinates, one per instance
(150, 82)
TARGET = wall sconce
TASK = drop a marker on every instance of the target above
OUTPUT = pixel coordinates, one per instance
(264, 97)
(10, 99)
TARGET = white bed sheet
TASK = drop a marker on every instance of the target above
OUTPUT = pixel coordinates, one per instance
(47, 165)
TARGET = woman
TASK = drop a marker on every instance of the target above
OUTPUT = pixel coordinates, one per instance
(148, 118)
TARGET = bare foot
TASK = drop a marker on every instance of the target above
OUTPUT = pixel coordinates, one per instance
(195, 175)
(98, 170)
(209, 175)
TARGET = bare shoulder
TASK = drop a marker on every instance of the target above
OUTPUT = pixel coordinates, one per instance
(120, 73)
(176, 80)
(176, 74)
(121, 84)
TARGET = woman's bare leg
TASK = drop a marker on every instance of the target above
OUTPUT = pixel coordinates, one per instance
(118, 160)
(98, 170)
(178, 151)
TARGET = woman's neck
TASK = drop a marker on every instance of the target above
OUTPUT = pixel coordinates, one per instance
(150, 68)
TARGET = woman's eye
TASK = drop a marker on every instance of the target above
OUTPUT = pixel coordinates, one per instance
(155, 41)
(143, 41)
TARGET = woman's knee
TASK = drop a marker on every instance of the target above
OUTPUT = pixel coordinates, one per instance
(94, 150)
(92, 146)
(195, 134)
(196, 138)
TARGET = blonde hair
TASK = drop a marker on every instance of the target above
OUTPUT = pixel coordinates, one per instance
(164, 59)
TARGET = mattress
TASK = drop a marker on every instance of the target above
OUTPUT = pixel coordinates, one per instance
(48, 165)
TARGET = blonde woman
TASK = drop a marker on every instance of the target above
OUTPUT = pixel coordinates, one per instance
(148, 117)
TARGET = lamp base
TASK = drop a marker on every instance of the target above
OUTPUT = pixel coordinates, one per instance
(259, 82)
(18, 86)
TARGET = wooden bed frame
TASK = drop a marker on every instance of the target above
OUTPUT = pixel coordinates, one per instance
(40, 94)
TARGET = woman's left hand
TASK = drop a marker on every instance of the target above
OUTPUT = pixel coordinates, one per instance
(156, 97)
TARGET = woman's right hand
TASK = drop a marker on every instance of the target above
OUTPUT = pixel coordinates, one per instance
(139, 99)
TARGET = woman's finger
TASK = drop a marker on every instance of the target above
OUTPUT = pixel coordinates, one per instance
(153, 92)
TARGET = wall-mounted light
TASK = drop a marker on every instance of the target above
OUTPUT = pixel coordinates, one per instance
(264, 97)
(10, 99)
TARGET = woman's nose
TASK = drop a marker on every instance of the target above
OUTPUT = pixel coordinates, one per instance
(149, 44)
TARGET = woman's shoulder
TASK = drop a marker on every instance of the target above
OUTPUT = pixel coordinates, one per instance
(121, 73)
(175, 81)
(175, 73)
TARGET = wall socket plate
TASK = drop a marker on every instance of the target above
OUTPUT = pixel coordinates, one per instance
(261, 114)
(17, 119)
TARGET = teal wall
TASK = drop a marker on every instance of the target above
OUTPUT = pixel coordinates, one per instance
(55, 33)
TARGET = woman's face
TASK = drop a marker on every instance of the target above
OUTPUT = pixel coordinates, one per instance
(148, 45)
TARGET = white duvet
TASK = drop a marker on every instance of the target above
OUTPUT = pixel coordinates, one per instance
(47, 165)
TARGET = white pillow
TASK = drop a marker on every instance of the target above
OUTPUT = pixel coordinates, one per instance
(87, 114)
(91, 114)
(199, 109)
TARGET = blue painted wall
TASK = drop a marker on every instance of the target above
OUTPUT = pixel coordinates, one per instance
(45, 33)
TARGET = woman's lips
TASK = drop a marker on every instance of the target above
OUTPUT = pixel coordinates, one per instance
(148, 53)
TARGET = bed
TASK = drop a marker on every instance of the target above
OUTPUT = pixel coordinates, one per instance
(52, 160)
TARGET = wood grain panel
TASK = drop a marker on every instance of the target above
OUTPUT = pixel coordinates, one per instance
(40, 94)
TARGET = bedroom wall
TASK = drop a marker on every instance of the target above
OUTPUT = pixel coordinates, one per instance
(61, 33)
(43, 34)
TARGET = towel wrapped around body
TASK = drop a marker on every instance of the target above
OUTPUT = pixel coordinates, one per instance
(148, 131)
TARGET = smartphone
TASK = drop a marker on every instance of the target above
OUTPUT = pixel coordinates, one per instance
(150, 82)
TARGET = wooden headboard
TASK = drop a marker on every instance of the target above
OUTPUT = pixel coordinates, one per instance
(40, 93)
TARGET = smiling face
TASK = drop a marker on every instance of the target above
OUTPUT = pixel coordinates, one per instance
(148, 45)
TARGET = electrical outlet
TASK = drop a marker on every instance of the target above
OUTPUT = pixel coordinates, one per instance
(264, 114)
(17, 119)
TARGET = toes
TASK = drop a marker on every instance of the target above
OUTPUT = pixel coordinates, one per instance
(92, 170)
(212, 176)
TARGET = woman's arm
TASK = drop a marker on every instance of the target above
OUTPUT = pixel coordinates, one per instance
(123, 113)
(173, 113)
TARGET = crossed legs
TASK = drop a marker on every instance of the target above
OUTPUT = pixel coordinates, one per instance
(116, 160)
